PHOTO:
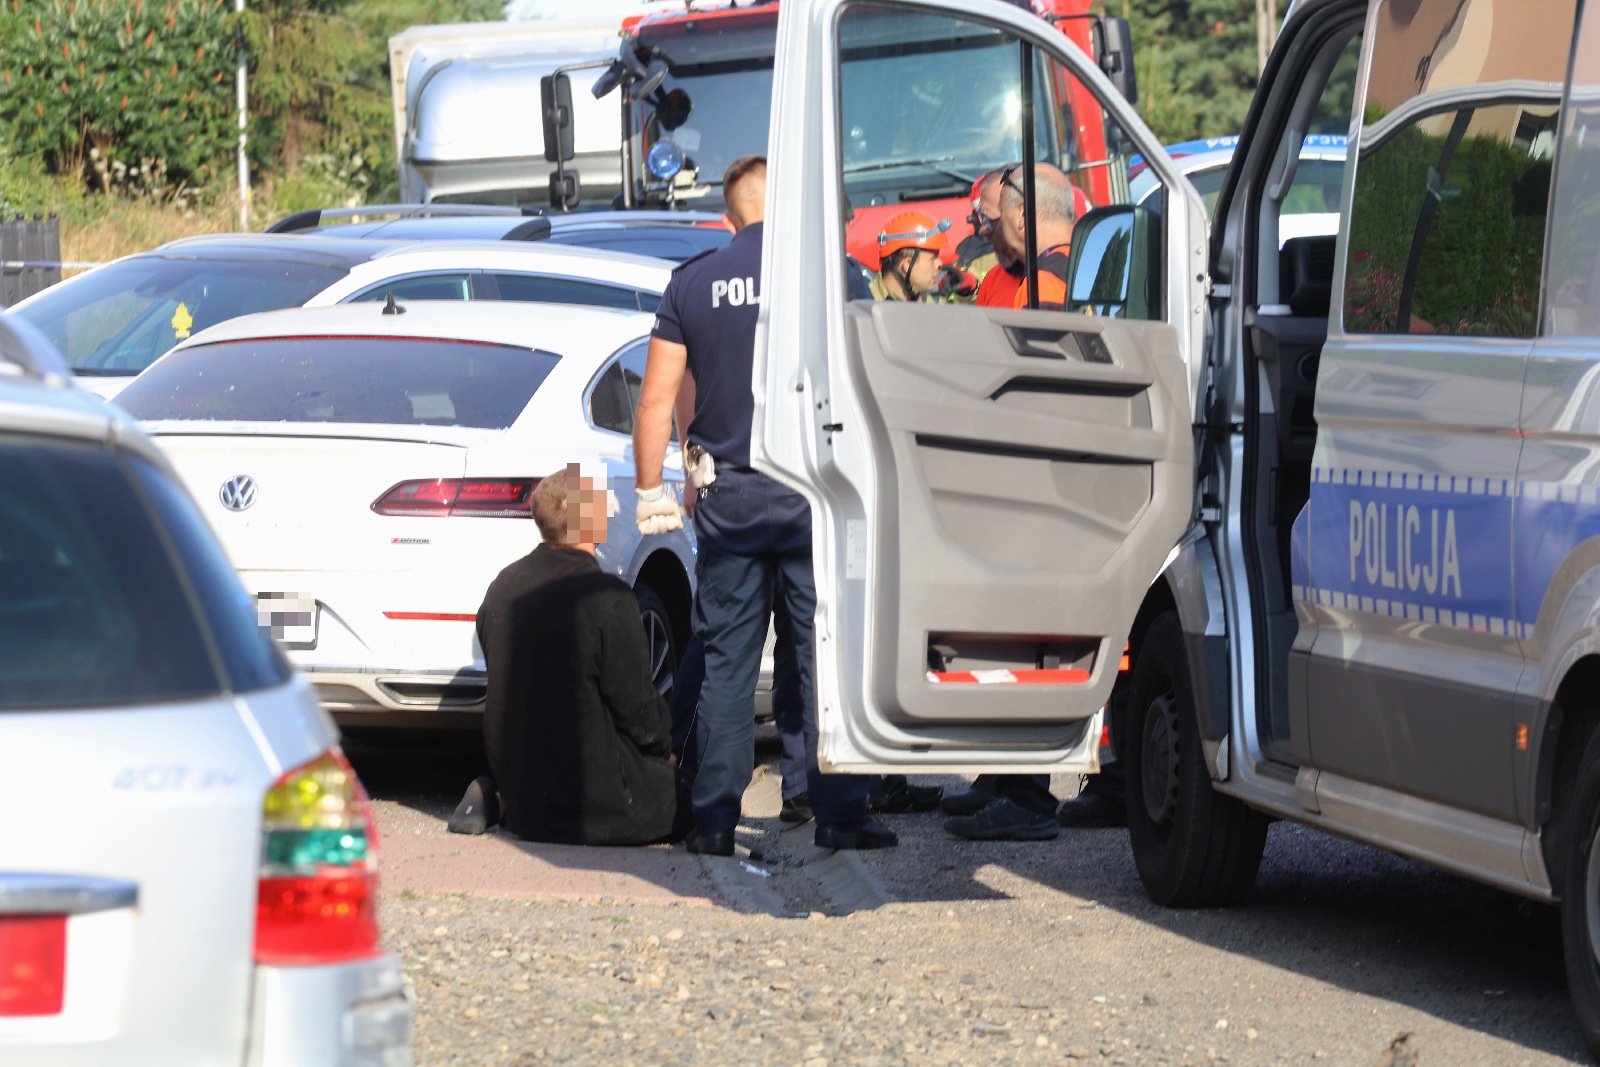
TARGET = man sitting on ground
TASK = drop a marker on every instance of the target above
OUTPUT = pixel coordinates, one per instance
(577, 735)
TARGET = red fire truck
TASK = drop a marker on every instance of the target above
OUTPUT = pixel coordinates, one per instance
(696, 93)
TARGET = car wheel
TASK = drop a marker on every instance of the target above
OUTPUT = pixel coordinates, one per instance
(1193, 846)
(1580, 895)
(664, 650)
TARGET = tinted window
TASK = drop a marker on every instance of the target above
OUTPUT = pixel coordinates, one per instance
(1452, 185)
(118, 319)
(539, 289)
(1574, 297)
(423, 287)
(344, 380)
(632, 364)
(678, 245)
(92, 610)
(252, 659)
(608, 402)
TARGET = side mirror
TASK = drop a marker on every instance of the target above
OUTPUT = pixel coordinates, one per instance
(555, 99)
(654, 75)
(565, 189)
(1114, 268)
(1116, 57)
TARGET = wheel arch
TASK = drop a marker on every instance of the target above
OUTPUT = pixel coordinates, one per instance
(1191, 585)
(664, 572)
(1570, 721)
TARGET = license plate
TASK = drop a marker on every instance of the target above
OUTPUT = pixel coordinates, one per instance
(288, 618)
(33, 964)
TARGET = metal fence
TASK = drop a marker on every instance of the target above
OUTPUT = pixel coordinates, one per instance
(30, 256)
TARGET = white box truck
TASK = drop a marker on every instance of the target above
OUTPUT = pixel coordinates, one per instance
(467, 122)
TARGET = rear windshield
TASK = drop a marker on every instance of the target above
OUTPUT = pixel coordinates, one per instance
(405, 381)
(117, 320)
(94, 608)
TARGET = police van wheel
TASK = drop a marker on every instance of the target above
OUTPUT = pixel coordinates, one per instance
(659, 638)
(1580, 895)
(1193, 846)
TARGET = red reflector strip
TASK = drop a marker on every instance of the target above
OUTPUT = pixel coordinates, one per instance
(1059, 676)
(1105, 736)
(33, 964)
(428, 616)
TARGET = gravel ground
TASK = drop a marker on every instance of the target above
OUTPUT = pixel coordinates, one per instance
(996, 953)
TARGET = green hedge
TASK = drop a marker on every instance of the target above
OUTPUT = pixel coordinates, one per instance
(1479, 270)
(130, 93)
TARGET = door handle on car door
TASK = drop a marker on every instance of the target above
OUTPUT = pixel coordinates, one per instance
(1045, 343)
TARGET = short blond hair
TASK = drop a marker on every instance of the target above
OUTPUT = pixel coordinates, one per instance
(550, 503)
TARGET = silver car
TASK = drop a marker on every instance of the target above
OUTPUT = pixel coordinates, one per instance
(187, 870)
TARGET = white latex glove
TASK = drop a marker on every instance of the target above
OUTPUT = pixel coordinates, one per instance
(657, 511)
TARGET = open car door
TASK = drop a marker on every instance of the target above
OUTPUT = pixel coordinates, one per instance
(993, 490)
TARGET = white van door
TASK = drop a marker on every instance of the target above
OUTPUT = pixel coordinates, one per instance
(993, 488)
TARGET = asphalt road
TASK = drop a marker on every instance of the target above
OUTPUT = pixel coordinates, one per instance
(1043, 952)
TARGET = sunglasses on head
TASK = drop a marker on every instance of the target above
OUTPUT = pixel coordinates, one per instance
(1005, 180)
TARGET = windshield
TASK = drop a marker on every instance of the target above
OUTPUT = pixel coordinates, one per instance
(395, 381)
(935, 103)
(117, 320)
(724, 64)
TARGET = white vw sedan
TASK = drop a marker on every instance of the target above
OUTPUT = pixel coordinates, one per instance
(369, 470)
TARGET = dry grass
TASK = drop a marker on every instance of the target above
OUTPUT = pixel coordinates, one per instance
(97, 229)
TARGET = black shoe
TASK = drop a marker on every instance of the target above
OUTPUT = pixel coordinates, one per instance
(968, 801)
(709, 842)
(1092, 811)
(796, 809)
(1004, 820)
(862, 835)
(896, 796)
(479, 808)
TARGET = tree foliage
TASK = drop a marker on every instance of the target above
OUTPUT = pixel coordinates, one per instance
(1196, 61)
(136, 92)
(138, 96)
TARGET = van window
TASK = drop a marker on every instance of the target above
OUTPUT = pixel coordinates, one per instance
(1452, 184)
(929, 104)
(1573, 300)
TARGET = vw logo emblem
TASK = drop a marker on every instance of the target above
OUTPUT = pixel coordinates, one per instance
(238, 492)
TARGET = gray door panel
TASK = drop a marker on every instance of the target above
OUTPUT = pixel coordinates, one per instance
(1041, 467)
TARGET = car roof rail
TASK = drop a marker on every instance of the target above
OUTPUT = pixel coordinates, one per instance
(301, 221)
(26, 352)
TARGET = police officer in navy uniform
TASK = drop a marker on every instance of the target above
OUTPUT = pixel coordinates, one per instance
(751, 530)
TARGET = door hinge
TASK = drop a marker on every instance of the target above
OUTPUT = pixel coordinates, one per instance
(1220, 291)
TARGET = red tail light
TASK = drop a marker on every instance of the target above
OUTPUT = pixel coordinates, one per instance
(33, 964)
(317, 898)
(436, 498)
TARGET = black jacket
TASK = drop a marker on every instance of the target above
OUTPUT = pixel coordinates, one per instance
(577, 735)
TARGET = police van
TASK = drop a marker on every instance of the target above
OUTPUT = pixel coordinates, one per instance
(1339, 495)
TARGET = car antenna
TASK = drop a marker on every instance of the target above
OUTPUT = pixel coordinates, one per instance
(391, 308)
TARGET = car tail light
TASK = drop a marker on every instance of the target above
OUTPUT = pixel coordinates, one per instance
(317, 900)
(33, 964)
(435, 498)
